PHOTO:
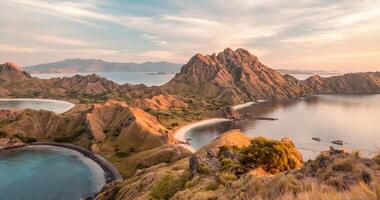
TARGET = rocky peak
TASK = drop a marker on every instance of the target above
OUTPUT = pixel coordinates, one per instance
(233, 77)
(8, 66)
(10, 72)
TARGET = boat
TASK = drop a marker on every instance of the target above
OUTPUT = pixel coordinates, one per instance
(337, 142)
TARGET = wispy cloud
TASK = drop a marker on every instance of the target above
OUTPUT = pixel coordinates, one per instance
(288, 33)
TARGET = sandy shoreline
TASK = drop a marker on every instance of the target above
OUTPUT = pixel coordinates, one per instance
(181, 133)
(69, 104)
(244, 105)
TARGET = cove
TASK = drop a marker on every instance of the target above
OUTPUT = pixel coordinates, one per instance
(350, 118)
(48, 172)
(36, 104)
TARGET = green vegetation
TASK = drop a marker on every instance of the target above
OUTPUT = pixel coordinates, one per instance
(271, 155)
(25, 139)
(203, 169)
(71, 138)
(121, 154)
(226, 177)
(168, 185)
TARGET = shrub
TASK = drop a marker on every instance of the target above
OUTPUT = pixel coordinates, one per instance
(25, 139)
(226, 177)
(203, 169)
(273, 156)
(121, 154)
(168, 185)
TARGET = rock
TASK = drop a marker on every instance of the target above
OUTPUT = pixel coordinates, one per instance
(10, 142)
(10, 72)
(95, 148)
(207, 156)
(229, 112)
(334, 151)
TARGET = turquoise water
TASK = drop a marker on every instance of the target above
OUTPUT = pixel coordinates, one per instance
(354, 119)
(44, 173)
(36, 104)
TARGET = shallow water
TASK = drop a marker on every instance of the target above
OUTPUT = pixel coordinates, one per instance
(36, 104)
(41, 172)
(120, 77)
(351, 118)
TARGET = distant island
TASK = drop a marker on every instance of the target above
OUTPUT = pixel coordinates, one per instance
(79, 65)
(310, 72)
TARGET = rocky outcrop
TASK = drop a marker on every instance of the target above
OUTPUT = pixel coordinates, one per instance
(353, 83)
(234, 77)
(10, 72)
(207, 156)
(6, 143)
(229, 112)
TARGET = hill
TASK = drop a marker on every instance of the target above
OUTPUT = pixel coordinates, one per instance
(95, 65)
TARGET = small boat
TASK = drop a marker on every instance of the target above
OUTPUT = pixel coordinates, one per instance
(316, 139)
(337, 142)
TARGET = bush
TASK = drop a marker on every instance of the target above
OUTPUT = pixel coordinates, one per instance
(168, 185)
(121, 154)
(226, 177)
(273, 156)
(25, 139)
(203, 169)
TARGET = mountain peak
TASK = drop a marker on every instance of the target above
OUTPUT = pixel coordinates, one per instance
(8, 66)
(232, 77)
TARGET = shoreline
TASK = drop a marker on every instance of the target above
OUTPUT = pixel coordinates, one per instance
(180, 134)
(70, 105)
(247, 104)
(110, 171)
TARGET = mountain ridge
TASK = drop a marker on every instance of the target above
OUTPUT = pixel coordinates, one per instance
(79, 65)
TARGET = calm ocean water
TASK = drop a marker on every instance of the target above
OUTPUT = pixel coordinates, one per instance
(36, 104)
(36, 173)
(350, 118)
(121, 77)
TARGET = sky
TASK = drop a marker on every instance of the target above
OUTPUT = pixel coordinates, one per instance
(341, 35)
